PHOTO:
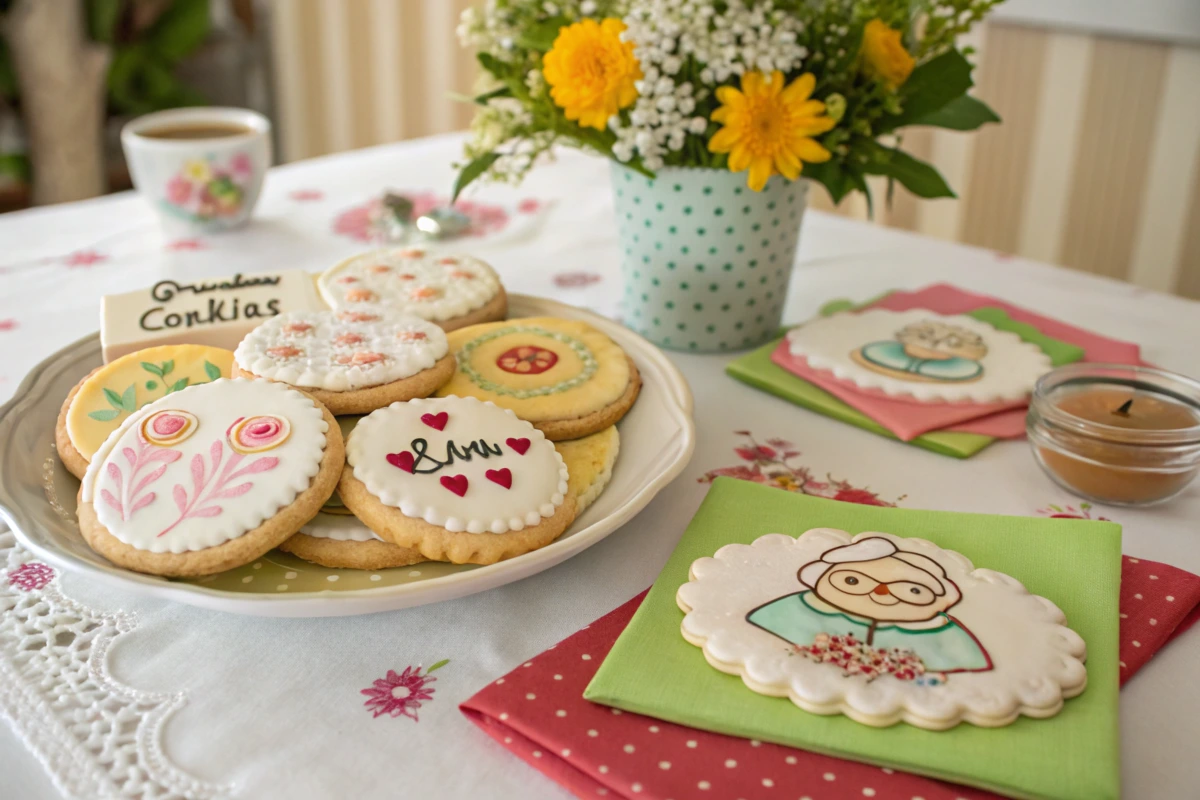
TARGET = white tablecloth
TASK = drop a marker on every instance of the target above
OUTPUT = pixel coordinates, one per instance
(272, 708)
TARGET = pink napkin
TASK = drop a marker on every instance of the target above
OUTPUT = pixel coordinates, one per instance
(537, 712)
(909, 420)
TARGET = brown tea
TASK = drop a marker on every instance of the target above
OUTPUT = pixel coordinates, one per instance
(196, 130)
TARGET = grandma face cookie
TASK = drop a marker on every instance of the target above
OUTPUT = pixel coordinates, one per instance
(353, 361)
(209, 478)
(103, 400)
(342, 542)
(456, 479)
(566, 377)
(883, 629)
(450, 290)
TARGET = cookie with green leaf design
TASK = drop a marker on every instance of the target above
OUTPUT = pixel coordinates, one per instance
(99, 403)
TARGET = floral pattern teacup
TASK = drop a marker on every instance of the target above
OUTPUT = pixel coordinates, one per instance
(199, 185)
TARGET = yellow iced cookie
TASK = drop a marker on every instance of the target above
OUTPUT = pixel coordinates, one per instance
(590, 463)
(566, 377)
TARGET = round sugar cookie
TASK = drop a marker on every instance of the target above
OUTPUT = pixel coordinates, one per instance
(210, 478)
(457, 479)
(334, 505)
(342, 542)
(450, 290)
(590, 462)
(353, 361)
(105, 398)
(566, 377)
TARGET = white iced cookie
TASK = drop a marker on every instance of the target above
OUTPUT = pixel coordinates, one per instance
(450, 290)
(343, 542)
(922, 355)
(353, 361)
(882, 629)
(457, 479)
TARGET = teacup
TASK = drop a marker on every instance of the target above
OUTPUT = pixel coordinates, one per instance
(200, 168)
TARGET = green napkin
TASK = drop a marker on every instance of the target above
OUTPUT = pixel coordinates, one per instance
(757, 369)
(652, 670)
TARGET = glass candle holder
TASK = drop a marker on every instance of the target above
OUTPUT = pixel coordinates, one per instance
(1116, 434)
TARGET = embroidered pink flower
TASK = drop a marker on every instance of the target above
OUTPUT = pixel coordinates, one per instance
(179, 190)
(401, 694)
(379, 269)
(529, 205)
(187, 244)
(574, 280)
(297, 328)
(347, 279)
(241, 165)
(360, 358)
(307, 195)
(284, 351)
(360, 296)
(84, 258)
(346, 339)
(8, 324)
(448, 261)
(411, 336)
(423, 293)
(31, 576)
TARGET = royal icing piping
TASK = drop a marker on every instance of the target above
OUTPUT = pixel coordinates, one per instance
(205, 465)
(459, 463)
(121, 387)
(922, 355)
(338, 528)
(433, 286)
(341, 350)
(882, 628)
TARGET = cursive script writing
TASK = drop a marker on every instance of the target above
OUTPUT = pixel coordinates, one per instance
(165, 290)
(476, 447)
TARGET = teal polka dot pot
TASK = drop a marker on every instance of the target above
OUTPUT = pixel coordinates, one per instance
(705, 260)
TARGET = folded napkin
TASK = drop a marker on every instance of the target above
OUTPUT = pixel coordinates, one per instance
(572, 747)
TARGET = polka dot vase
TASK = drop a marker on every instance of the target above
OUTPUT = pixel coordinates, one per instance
(705, 260)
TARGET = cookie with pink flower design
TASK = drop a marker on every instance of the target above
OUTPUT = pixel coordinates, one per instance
(452, 291)
(210, 477)
(353, 360)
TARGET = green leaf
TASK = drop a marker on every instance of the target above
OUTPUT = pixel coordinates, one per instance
(180, 30)
(541, 36)
(15, 165)
(167, 366)
(482, 99)
(834, 176)
(493, 65)
(102, 17)
(105, 415)
(472, 171)
(212, 370)
(964, 113)
(115, 400)
(931, 86)
(152, 368)
(129, 399)
(918, 177)
(177, 385)
(438, 665)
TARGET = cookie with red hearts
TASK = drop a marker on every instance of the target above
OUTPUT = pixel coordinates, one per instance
(456, 479)
(354, 360)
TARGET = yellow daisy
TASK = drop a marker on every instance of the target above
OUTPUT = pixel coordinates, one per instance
(591, 72)
(197, 171)
(768, 129)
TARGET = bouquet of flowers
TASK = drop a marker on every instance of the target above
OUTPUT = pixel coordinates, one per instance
(821, 89)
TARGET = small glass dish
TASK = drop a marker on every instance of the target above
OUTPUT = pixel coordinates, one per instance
(1116, 434)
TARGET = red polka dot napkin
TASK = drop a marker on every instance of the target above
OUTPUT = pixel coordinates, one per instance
(538, 712)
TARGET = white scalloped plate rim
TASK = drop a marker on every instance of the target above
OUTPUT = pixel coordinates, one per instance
(902, 713)
(862, 378)
(26, 440)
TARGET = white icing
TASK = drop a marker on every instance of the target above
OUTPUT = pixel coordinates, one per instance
(1036, 660)
(539, 477)
(406, 343)
(340, 528)
(122, 471)
(455, 284)
(1010, 367)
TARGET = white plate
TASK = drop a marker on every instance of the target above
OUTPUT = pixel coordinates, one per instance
(37, 498)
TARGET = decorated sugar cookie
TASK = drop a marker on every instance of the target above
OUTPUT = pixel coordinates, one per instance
(334, 505)
(209, 478)
(922, 355)
(457, 479)
(566, 377)
(590, 462)
(342, 542)
(103, 400)
(353, 361)
(881, 628)
(451, 290)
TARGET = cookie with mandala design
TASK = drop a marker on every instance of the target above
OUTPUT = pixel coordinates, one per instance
(564, 376)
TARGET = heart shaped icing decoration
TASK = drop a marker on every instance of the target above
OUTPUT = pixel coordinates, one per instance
(403, 460)
(436, 421)
(501, 477)
(520, 445)
(456, 483)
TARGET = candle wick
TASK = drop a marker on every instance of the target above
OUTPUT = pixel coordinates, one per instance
(1124, 409)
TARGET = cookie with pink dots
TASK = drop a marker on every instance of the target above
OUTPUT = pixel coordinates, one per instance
(452, 291)
(353, 360)
(456, 479)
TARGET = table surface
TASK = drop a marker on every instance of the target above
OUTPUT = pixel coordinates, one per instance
(272, 708)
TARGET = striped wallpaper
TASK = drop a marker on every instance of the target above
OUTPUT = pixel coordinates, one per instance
(1096, 166)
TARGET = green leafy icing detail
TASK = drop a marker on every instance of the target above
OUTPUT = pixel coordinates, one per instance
(212, 370)
(581, 350)
(127, 400)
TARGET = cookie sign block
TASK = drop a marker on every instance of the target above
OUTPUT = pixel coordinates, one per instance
(212, 311)
(881, 628)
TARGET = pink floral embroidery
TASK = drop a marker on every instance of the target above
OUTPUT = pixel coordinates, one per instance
(1070, 512)
(401, 694)
(208, 487)
(574, 280)
(769, 464)
(307, 195)
(8, 324)
(146, 454)
(529, 205)
(368, 222)
(859, 658)
(187, 244)
(84, 258)
(31, 576)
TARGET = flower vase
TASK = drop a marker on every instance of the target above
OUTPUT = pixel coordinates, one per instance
(705, 260)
